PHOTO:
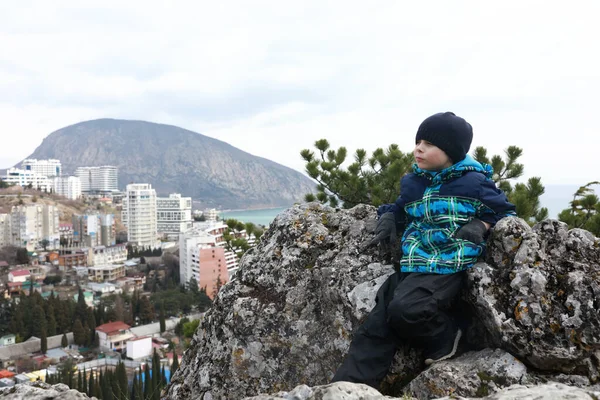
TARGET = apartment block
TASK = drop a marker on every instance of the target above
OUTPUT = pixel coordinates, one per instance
(5, 230)
(47, 168)
(92, 230)
(24, 178)
(30, 224)
(102, 179)
(173, 215)
(67, 186)
(106, 273)
(139, 214)
(102, 255)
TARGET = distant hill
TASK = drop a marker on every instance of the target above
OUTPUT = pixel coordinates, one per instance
(175, 160)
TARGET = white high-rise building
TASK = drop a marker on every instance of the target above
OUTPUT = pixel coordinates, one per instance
(43, 167)
(174, 215)
(139, 214)
(67, 186)
(5, 230)
(33, 223)
(21, 177)
(98, 179)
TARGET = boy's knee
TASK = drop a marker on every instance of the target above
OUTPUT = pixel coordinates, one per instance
(405, 315)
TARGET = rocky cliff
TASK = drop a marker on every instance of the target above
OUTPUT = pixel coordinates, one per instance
(284, 324)
(173, 160)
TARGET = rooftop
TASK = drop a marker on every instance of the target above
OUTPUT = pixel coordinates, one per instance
(20, 272)
(112, 327)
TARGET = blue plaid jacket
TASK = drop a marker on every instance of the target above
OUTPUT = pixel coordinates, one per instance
(433, 206)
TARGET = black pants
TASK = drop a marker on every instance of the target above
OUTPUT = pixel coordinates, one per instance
(409, 307)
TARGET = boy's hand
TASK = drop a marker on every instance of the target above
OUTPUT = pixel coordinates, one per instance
(473, 231)
(385, 232)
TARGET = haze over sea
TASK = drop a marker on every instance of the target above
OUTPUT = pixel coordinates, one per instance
(556, 198)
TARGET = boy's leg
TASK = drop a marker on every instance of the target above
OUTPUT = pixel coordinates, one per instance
(373, 345)
(420, 311)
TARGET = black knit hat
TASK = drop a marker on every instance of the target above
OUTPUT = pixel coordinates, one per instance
(450, 133)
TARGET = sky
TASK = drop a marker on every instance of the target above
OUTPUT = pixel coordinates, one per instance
(272, 77)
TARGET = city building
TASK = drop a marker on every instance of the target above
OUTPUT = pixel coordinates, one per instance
(139, 215)
(19, 275)
(212, 268)
(108, 231)
(202, 256)
(65, 232)
(105, 273)
(47, 168)
(32, 224)
(91, 230)
(24, 178)
(5, 229)
(67, 186)
(103, 179)
(173, 215)
(114, 335)
(211, 214)
(140, 347)
(102, 255)
(67, 262)
(7, 340)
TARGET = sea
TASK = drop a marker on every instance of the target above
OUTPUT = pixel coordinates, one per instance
(556, 198)
(257, 217)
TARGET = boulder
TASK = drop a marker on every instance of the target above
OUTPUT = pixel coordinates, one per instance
(287, 317)
(41, 391)
(538, 297)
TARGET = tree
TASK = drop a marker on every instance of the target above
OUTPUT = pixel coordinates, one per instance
(92, 386)
(3, 184)
(175, 364)
(146, 310)
(525, 197)
(51, 321)
(64, 342)
(44, 341)
(217, 286)
(375, 180)
(22, 256)
(84, 386)
(189, 328)
(163, 325)
(44, 243)
(584, 212)
(79, 334)
(119, 308)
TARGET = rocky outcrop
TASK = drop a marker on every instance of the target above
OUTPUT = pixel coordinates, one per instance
(353, 391)
(539, 296)
(41, 391)
(175, 160)
(287, 318)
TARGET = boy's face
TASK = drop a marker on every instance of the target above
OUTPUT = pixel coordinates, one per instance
(430, 157)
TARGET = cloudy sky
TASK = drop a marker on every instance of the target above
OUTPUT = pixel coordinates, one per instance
(271, 77)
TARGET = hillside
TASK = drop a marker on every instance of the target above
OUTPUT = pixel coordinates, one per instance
(67, 208)
(175, 160)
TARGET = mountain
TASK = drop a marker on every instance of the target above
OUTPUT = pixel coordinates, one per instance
(175, 160)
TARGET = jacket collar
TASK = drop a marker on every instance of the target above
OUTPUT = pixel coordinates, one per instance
(468, 164)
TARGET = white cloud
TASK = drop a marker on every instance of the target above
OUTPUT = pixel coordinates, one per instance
(272, 77)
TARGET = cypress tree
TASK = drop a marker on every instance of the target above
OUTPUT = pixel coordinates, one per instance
(92, 385)
(147, 383)
(79, 381)
(64, 342)
(163, 325)
(44, 341)
(84, 387)
(175, 364)
(79, 335)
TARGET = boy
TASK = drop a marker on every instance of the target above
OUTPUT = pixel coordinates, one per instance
(445, 208)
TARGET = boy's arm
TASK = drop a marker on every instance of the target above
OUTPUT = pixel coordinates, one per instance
(495, 204)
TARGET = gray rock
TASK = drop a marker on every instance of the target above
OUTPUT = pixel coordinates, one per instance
(473, 374)
(287, 318)
(41, 391)
(334, 391)
(539, 295)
